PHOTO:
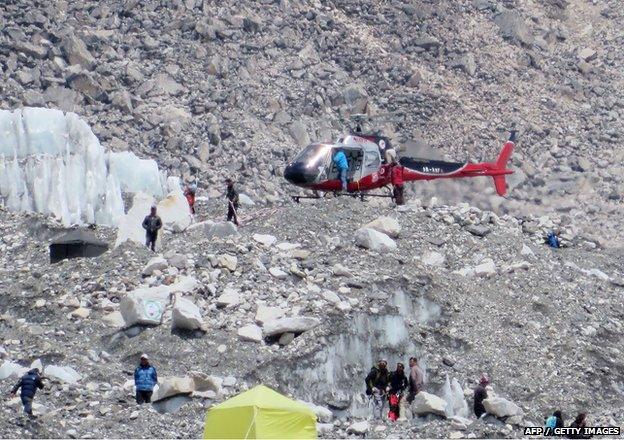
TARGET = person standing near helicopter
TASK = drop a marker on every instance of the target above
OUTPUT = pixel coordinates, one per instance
(340, 160)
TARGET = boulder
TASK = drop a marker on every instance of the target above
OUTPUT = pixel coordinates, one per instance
(81, 313)
(386, 225)
(179, 261)
(186, 315)
(184, 284)
(245, 200)
(296, 324)
(374, 240)
(11, 369)
(340, 271)
(144, 305)
(251, 333)
(501, 407)
(486, 269)
(172, 386)
(514, 28)
(323, 414)
(229, 298)
(299, 133)
(222, 230)
(174, 209)
(426, 403)
(265, 314)
(359, 428)
(331, 297)
(286, 339)
(278, 273)
(228, 262)
(155, 263)
(64, 374)
(76, 52)
(115, 319)
(478, 230)
(265, 239)
(203, 382)
(433, 259)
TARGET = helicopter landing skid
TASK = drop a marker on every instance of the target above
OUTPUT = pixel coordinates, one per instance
(298, 198)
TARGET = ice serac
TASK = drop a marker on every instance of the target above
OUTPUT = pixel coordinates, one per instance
(52, 163)
(453, 393)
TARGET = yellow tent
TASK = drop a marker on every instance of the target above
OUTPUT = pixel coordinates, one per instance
(260, 413)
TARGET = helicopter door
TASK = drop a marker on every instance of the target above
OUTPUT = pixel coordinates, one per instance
(372, 162)
(354, 159)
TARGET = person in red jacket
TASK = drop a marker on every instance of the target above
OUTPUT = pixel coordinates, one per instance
(189, 193)
(396, 174)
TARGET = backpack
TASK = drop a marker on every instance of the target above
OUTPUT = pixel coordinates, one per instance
(551, 422)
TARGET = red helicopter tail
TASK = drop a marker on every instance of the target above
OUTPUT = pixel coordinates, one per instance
(501, 162)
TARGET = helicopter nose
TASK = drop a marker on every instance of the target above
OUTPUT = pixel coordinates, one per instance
(295, 173)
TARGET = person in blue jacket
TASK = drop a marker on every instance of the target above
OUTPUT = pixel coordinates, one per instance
(340, 159)
(145, 379)
(29, 384)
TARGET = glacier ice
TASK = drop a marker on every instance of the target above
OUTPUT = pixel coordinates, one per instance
(52, 163)
(453, 393)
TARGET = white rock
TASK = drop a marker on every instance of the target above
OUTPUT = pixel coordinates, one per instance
(144, 305)
(598, 274)
(278, 273)
(501, 407)
(184, 284)
(186, 315)
(174, 209)
(330, 296)
(229, 381)
(173, 386)
(64, 374)
(266, 314)
(229, 298)
(296, 324)
(222, 230)
(486, 269)
(11, 369)
(285, 246)
(115, 319)
(324, 428)
(179, 261)
(465, 272)
(227, 261)
(245, 200)
(527, 251)
(40, 303)
(359, 427)
(426, 403)
(3, 352)
(251, 333)
(433, 259)
(265, 239)
(374, 240)
(340, 271)
(323, 414)
(386, 225)
(156, 263)
(81, 313)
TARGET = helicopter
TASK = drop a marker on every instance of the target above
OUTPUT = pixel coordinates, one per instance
(369, 169)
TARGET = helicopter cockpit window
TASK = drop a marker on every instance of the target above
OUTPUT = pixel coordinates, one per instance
(313, 155)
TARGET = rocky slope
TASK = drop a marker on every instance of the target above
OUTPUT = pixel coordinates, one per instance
(465, 290)
(236, 88)
(229, 87)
